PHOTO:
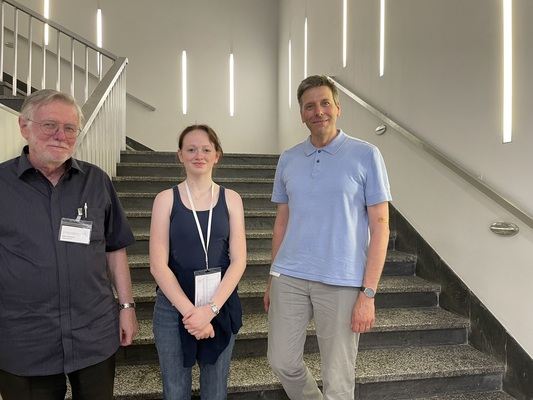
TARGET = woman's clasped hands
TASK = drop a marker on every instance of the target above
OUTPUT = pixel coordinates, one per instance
(198, 322)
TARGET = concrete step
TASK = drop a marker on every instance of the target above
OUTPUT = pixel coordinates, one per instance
(225, 170)
(147, 184)
(144, 201)
(13, 102)
(381, 374)
(171, 157)
(258, 265)
(395, 327)
(393, 292)
(494, 395)
(254, 219)
(256, 239)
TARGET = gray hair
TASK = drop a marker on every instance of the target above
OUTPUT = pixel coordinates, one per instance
(46, 96)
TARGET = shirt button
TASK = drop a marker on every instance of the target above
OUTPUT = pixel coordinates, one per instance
(317, 161)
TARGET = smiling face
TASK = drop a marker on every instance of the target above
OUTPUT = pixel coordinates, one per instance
(319, 112)
(48, 152)
(197, 153)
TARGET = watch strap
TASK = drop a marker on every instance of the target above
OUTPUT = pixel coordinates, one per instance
(126, 305)
(214, 307)
(368, 292)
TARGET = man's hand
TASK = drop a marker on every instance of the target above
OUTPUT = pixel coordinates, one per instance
(128, 326)
(363, 314)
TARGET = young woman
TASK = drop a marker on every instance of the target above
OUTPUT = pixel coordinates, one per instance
(197, 257)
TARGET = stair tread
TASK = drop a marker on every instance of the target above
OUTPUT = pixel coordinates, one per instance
(144, 233)
(472, 396)
(153, 194)
(255, 326)
(264, 257)
(247, 213)
(253, 287)
(372, 366)
(173, 179)
(176, 165)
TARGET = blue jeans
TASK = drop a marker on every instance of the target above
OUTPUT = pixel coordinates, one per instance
(177, 380)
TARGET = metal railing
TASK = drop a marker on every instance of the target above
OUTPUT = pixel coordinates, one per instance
(62, 56)
(453, 166)
(94, 76)
(104, 134)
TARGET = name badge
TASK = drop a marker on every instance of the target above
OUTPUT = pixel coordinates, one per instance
(206, 284)
(75, 231)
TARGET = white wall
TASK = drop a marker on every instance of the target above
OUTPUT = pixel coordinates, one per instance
(443, 82)
(152, 35)
(11, 141)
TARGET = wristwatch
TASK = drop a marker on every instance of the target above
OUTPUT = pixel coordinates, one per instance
(126, 305)
(368, 292)
(214, 308)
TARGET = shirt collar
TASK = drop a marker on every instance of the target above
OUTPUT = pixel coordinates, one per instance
(332, 148)
(25, 164)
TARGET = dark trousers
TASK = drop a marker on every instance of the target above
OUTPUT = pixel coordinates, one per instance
(91, 383)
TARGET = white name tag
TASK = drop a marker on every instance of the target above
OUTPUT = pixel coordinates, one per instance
(75, 231)
(206, 284)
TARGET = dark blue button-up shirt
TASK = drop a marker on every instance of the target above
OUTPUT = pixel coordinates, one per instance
(57, 308)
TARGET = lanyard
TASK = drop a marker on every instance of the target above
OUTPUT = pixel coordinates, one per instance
(198, 222)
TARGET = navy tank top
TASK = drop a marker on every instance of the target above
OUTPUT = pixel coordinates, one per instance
(186, 256)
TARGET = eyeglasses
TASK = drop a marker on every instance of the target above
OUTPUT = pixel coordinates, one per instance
(51, 127)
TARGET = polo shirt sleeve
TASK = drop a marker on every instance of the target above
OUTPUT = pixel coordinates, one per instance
(377, 189)
(279, 192)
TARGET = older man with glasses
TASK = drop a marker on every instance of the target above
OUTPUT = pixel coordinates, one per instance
(63, 239)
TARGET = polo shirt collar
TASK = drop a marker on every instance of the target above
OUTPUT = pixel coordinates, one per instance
(332, 148)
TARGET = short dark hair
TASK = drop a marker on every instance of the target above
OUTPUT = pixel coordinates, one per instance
(316, 81)
(211, 134)
(46, 96)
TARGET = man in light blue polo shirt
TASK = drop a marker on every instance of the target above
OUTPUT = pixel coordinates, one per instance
(328, 248)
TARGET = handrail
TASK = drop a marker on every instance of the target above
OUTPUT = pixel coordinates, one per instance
(95, 101)
(456, 168)
(61, 29)
(88, 45)
(141, 102)
(104, 134)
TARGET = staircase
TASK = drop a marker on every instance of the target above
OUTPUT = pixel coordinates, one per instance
(416, 350)
(6, 94)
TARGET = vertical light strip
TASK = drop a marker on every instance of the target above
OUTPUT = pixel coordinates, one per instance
(507, 71)
(99, 40)
(344, 31)
(47, 16)
(382, 39)
(290, 69)
(231, 86)
(184, 82)
(305, 48)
